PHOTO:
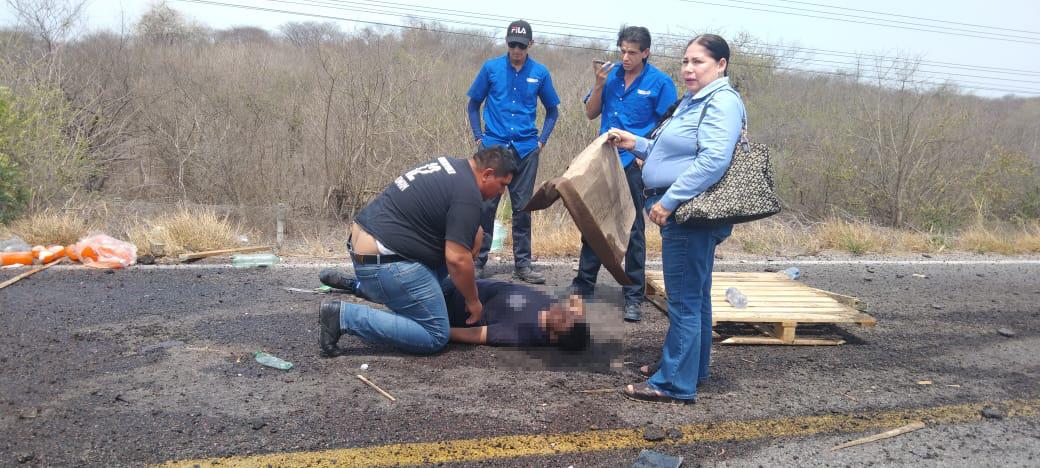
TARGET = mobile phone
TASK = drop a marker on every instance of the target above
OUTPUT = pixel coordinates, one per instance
(599, 62)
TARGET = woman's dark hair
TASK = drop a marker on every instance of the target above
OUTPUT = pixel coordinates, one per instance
(716, 45)
(576, 339)
(718, 49)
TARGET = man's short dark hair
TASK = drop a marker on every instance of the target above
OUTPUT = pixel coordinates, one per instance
(497, 157)
(637, 34)
(576, 339)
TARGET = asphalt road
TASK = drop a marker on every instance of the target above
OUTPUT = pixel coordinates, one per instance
(149, 365)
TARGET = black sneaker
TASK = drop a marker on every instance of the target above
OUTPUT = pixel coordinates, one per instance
(328, 324)
(528, 275)
(633, 313)
(334, 278)
(481, 272)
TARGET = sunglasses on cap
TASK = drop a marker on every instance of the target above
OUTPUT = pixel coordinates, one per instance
(518, 45)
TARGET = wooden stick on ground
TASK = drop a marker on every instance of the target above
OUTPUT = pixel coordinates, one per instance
(214, 253)
(31, 272)
(370, 384)
(599, 390)
(884, 435)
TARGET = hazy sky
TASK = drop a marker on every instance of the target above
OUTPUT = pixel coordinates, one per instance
(992, 66)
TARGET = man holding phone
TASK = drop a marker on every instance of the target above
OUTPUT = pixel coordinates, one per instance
(632, 97)
(512, 85)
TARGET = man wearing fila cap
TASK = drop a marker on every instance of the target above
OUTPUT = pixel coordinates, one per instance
(509, 87)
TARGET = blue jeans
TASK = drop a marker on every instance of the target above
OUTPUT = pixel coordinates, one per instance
(520, 191)
(418, 318)
(635, 255)
(688, 255)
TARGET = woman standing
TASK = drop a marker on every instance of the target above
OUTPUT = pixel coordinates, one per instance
(683, 157)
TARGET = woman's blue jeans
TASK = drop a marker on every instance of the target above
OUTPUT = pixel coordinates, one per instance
(688, 256)
(418, 318)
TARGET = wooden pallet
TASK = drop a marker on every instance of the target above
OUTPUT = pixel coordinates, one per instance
(776, 306)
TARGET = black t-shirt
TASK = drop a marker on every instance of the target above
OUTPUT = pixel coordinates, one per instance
(510, 312)
(424, 207)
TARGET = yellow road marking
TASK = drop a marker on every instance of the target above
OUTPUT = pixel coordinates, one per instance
(467, 450)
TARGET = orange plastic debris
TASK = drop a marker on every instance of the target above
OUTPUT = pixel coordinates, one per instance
(102, 251)
(16, 258)
(48, 254)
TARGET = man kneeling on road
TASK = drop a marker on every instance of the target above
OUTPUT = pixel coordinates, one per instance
(406, 242)
(514, 314)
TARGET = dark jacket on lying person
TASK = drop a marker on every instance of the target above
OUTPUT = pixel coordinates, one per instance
(514, 314)
(518, 315)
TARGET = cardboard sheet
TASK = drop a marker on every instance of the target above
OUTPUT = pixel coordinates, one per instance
(595, 192)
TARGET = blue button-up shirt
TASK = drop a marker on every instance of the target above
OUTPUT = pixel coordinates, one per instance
(512, 101)
(672, 159)
(636, 108)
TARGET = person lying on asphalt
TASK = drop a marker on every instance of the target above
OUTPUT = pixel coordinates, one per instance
(514, 314)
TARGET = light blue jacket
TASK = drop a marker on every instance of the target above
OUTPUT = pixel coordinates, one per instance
(673, 159)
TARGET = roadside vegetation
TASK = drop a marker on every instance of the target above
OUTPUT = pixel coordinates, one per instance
(174, 134)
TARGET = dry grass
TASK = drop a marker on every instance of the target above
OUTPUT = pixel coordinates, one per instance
(51, 227)
(984, 236)
(196, 229)
(186, 230)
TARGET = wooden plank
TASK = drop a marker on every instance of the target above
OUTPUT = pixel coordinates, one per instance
(776, 318)
(659, 301)
(850, 301)
(785, 331)
(29, 273)
(768, 340)
(884, 435)
(214, 253)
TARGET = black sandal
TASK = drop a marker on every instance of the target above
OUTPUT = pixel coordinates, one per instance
(643, 392)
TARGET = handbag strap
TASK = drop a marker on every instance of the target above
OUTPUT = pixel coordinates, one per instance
(743, 121)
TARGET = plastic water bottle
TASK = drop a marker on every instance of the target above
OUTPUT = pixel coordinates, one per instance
(736, 298)
(792, 273)
(498, 234)
(271, 361)
(254, 260)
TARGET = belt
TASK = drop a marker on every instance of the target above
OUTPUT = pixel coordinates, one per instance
(653, 192)
(376, 259)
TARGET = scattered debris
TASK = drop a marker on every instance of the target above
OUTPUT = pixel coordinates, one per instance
(1007, 332)
(937, 307)
(653, 434)
(991, 412)
(30, 273)
(673, 433)
(364, 366)
(918, 275)
(214, 253)
(653, 459)
(926, 255)
(259, 424)
(381, 391)
(271, 361)
(953, 385)
(146, 259)
(318, 290)
(598, 390)
(924, 382)
(884, 435)
(25, 457)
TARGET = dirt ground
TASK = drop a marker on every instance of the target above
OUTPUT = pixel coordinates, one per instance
(145, 365)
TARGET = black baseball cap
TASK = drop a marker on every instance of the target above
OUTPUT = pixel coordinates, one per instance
(519, 31)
